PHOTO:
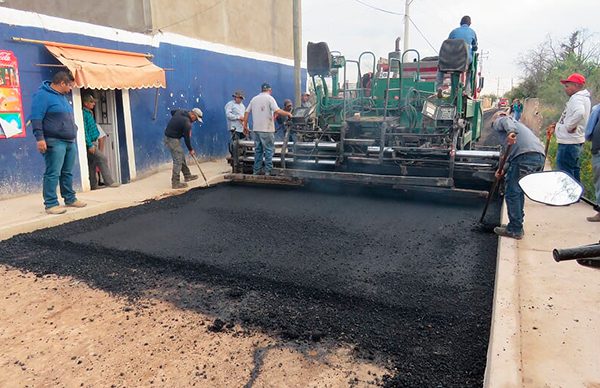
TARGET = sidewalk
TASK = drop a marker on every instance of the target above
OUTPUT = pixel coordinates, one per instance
(546, 323)
(26, 213)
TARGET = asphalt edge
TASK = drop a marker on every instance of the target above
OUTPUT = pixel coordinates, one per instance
(503, 367)
(89, 211)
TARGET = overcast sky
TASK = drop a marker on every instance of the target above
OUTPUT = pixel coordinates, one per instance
(504, 28)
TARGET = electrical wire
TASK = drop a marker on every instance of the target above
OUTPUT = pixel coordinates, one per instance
(426, 40)
(379, 9)
(191, 17)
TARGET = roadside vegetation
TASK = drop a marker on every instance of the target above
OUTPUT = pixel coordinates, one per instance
(544, 67)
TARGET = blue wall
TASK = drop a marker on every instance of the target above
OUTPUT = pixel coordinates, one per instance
(200, 78)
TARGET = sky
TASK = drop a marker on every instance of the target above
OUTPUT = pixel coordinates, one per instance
(504, 28)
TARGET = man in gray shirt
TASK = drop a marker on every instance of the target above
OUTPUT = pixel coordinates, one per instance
(526, 156)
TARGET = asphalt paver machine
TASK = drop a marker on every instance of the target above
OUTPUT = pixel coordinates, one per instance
(387, 129)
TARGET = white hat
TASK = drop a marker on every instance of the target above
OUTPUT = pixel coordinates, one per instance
(198, 113)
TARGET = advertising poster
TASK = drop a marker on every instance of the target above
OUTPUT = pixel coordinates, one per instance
(12, 122)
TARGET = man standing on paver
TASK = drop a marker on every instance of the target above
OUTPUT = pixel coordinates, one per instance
(55, 132)
(592, 133)
(95, 156)
(570, 129)
(263, 108)
(526, 156)
(466, 33)
(180, 126)
(234, 113)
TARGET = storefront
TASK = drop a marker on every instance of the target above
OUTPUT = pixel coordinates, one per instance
(125, 71)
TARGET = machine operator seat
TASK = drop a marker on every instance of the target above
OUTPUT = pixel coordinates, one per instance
(454, 56)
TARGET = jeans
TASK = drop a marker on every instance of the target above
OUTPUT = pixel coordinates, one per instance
(98, 159)
(567, 159)
(514, 196)
(179, 164)
(59, 158)
(264, 144)
(439, 80)
(517, 116)
(596, 169)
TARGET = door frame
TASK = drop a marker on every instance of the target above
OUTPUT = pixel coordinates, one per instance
(81, 146)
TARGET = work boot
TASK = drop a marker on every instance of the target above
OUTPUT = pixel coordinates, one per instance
(191, 178)
(114, 184)
(77, 203)
(595, 218)
(439, 93)
(56, 210)
(505, 233)
(179, 185)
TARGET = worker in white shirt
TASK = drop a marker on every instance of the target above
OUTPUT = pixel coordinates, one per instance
(263, 108)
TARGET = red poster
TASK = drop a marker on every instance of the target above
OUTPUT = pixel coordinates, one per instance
(12, 121)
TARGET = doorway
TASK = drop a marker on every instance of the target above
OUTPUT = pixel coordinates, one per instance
(105, 114)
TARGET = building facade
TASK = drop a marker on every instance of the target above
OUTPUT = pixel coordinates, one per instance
(199, 73)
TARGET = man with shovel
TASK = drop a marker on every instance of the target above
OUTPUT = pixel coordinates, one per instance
(180, 126)
(525, 155)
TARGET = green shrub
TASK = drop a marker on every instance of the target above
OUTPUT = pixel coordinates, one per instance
(587, 173)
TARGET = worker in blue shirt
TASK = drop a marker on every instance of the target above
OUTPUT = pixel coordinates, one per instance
(466, 33)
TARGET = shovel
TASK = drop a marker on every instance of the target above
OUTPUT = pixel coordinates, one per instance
(548, 137)
(495, 185)
(198, 164)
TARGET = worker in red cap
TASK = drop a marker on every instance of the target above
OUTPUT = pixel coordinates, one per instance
(570, 129)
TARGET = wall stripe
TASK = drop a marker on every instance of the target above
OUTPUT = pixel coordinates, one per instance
(32, 19)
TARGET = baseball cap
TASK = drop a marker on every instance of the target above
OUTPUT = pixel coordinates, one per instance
(306, 94)
(265, 86)
(89, 98)
(287, 102)
(575, 78)
(198, 113)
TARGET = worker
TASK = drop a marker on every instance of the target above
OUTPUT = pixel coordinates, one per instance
(305, 102)
(570, 129)
(526, 156)
(466, 33)
(263, 108)
(180, 126)
(234, 113)
(592, 133)
(94, 155)
(55, 133)
(280, 120)
(516, 109)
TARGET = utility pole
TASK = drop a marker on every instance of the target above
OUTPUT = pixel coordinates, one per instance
(297, 15)
(406, 22)
(498, 88)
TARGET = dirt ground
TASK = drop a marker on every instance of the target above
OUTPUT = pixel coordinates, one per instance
(57, 331)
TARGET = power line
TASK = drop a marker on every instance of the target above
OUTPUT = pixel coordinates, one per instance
(193, 16)
(430, 45)
(379, 9)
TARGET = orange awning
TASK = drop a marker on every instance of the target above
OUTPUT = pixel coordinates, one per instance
(97, 68)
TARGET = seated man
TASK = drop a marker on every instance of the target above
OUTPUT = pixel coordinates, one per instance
(466, 33)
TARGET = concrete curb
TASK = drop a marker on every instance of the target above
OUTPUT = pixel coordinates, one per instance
(503, 368)
(89, 211)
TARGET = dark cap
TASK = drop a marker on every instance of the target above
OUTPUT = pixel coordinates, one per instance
(287, 102)
(265, 86)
